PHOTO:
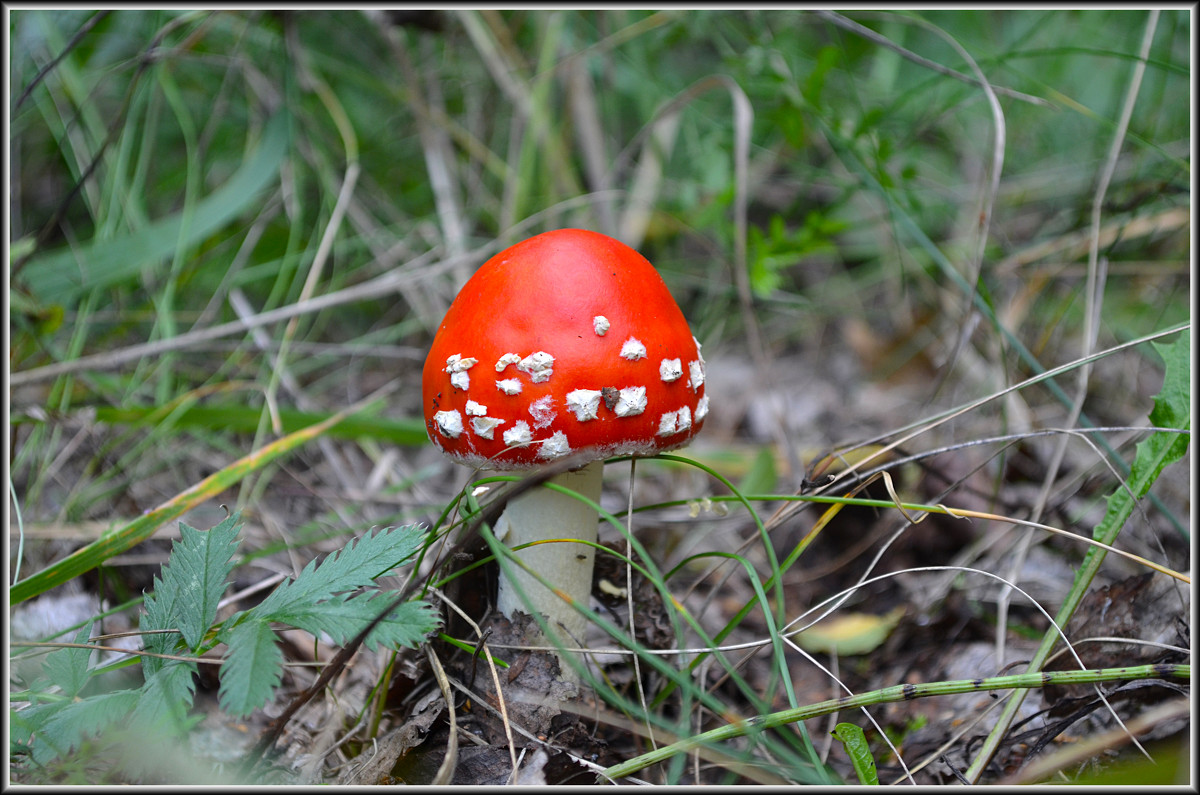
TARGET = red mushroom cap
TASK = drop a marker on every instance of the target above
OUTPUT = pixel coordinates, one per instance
(564, 343)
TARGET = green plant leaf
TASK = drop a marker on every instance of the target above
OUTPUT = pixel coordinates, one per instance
(196, 575)
(252, 670)
(348, 569)
(855, 742)
(165, 698)
(246, 419)
(1173, 403)
(761, 477)
(343, 618)
(61, 276)
(69, 668)
(185, 597)
(317, 602)
(159, 614)
(1172, 409)
(24, 723)
(68, 726)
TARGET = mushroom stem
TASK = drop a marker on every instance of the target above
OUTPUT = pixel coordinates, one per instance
(542, 514)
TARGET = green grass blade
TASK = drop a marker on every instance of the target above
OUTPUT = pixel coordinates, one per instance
(61, 276)
(244, 419)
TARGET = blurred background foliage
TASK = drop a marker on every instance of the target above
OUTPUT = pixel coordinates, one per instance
(162, 108)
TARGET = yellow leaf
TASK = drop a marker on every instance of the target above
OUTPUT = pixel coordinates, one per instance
(850, 633)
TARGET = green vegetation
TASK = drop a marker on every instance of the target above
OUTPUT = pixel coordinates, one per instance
(179, 625)
(938, 261)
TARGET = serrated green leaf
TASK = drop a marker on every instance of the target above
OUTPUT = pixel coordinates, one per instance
(1173, 404)
(343, 618)
(25, 722)
(198, 571)
(252, 669)
(355, 566)
(186, 595)
(159, 614)
(1172, 409)
(69, 668)
(79, 719)
(407, 626)
(165, 698)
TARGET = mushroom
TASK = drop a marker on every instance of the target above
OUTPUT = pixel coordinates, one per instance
(567, 343)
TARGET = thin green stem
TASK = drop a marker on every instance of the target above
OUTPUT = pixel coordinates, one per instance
(898, 693)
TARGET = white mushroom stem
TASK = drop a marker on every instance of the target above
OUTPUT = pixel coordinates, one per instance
(541, 514)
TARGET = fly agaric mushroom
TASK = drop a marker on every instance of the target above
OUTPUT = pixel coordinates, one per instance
(567, 343)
